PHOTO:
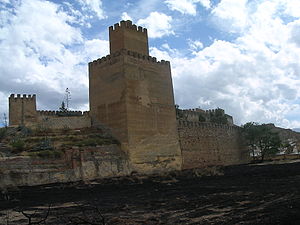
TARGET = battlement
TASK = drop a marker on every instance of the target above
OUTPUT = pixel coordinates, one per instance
(109, 58)
(127, 25)
(125, 35)
(198, 110)
(213, 111)
(60, 113)
(192, 125)
(20, 97)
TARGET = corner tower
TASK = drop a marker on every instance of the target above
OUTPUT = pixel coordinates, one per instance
(22, 110)
(132, 93)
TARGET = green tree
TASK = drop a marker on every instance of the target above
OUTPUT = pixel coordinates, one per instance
(218, 116)
(261, 140)
(63, 107)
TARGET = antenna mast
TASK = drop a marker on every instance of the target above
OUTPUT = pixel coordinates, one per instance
(68, 97)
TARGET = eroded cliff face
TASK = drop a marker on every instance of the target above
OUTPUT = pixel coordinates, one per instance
(75, 165)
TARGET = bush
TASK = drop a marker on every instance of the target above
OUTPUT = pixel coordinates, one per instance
(44, 144)
(18, 145)
(2, 133)
(55, 154)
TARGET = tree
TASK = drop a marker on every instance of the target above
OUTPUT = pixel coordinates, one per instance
(63, 107)
(261, 140)
(218, 116)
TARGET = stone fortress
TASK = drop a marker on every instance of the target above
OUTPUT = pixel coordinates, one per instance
(131, 93)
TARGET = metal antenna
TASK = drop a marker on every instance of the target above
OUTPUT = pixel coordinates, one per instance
(68, 97)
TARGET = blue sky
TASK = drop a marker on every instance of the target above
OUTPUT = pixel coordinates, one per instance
(240, 55)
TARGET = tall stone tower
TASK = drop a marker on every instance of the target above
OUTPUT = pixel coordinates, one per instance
(132, 93)
(22, 110)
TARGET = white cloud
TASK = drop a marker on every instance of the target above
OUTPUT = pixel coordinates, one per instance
(95, 6)
(158, 24)
(42, 53)
(231, 15)
(195, 45)
(205, 3)
(292, 7)
(255, 77)
(187, 6)
(125, 16)
(295, 32)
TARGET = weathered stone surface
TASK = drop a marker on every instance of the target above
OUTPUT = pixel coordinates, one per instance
(132, 93)
(206, 144)
(86, 164)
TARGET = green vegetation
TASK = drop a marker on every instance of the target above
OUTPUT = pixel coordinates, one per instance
(261, 140)
(54, 154)
(3, 132)
(46, 143)
(18, 145)
(201, 118)
(218, 117)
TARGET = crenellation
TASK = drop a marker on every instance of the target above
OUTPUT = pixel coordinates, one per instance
(123, 23)
(127, 25)
(129, 53)
(116, 26)
(60, 113)
(191, 124)
(131, 93)
(22, 97)
(116, 54)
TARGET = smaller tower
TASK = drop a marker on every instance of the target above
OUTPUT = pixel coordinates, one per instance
(128, 36)
(22, 110)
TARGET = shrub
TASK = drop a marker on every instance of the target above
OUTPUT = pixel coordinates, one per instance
(17, 145)
(2, 133)
(55, 154)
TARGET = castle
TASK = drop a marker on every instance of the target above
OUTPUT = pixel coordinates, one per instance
(132, 93)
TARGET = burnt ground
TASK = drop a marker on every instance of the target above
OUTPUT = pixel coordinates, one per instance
(246, 194)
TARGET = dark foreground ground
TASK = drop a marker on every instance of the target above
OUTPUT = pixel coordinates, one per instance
(265, 194)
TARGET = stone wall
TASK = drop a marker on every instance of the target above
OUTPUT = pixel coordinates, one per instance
(88, 164)
(22, 110)
(125, 35)
(137, 103)
(53, 120)
(206, 144)
(132, 93)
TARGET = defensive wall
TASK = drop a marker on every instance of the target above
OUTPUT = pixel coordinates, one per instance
(63, 120)
(208, 144)
(197, 115)
(131, 93)
(22, 111)
(75, 165)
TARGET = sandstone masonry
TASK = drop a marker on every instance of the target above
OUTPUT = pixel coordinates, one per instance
(131, 93)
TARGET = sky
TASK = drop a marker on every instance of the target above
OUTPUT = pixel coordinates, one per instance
(239, 55)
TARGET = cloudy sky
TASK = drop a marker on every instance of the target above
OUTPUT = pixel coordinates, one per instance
(239, 55)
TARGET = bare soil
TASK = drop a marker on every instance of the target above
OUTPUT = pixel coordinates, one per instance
(245, 194)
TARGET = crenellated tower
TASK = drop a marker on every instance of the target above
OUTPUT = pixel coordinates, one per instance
(128, 36)
(132, 93)
(22, 110)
